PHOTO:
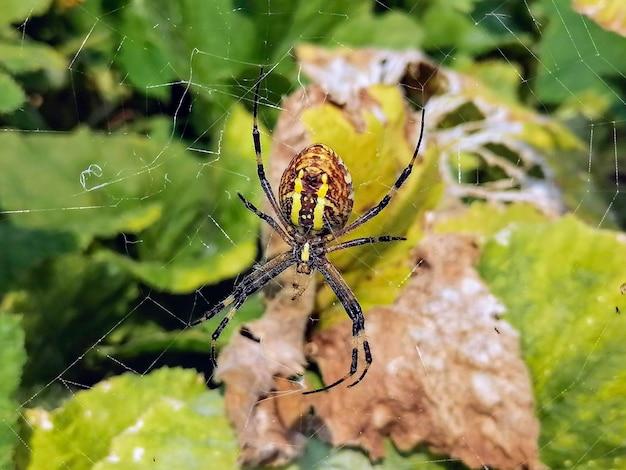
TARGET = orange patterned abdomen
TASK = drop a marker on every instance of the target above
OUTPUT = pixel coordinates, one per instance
(316, 191)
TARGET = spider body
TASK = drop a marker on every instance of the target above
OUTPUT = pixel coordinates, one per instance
(312, 212)
(315, 191)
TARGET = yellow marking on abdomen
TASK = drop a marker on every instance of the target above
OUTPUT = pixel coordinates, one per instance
(296, 199)
(318, 212)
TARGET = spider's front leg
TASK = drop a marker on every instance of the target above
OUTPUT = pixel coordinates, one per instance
(354, 311)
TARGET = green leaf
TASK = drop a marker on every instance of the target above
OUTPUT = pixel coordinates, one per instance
(321, 456)
(449, 27)
(54, 166)
(193, 228)
(68, 304)
(485, 219)
(176, 434)
(93, 423)
(502, 78)
(206, 234)
(12, 358)
(11, 94)
(561, 284)
(27, 56)
(285, 23)
(14, 11)
(207, 42)
(577, 55)
(394, 29)
(27, 249)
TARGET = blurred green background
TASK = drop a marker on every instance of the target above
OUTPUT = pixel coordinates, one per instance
(124, 136)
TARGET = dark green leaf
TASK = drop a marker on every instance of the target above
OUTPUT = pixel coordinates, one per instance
(67, 306)
(394, 30)
(27, 249)
(193, 40)
(132, 340)
(576, 55)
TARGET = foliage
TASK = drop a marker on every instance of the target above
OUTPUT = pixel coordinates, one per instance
(12, 357)
(562, 289)
(125, 135)
(599, 50)
(159, 420)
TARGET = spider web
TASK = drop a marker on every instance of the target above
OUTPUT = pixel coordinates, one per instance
(603, 140)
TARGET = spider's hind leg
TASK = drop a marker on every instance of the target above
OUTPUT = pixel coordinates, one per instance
(368, 358)
(354, 311)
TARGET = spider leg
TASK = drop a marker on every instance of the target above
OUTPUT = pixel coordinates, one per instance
(248, 286)
(354, 311)
(265, 217)
(256, 137)
(385, 200)
(363, 241)
(275, 265)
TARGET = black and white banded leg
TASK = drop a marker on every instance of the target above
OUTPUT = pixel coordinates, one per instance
(364, 241)
(265, 217)
(246, 287)
(354, 311)
(256, 138)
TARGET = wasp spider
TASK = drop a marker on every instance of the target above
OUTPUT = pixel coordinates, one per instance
(314, 203)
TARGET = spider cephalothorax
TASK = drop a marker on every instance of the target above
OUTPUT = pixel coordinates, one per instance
(316, 200)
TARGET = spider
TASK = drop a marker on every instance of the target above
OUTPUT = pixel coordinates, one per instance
(315, 202)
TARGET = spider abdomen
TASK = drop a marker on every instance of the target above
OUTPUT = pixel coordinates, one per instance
(316, 191)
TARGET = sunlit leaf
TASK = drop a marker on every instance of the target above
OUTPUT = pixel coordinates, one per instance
(485, 220)
(375, 158)
(175, 434)
(93, 182)
(561, 284)
(108, 417)
(205, 234)
(193, 229)
(503, 78)
(19, 10)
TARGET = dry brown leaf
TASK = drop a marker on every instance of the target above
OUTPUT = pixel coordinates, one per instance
(447, 371)
(253, 371)
(263, 405)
